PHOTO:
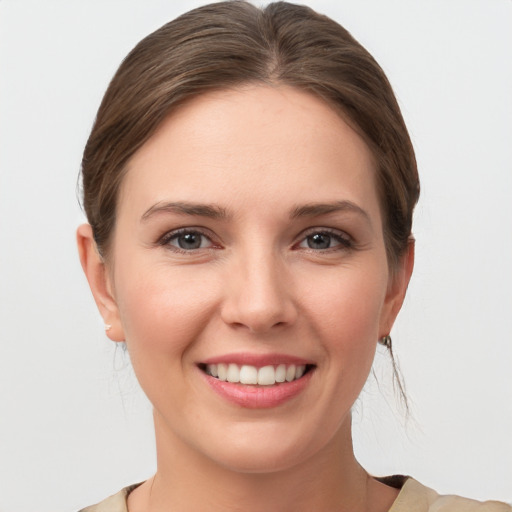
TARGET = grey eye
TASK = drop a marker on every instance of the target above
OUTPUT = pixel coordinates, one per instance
(190, 240)
(323, 240)
(319, 241)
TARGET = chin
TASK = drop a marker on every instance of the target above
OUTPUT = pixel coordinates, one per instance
(264, 450)
(260, 461)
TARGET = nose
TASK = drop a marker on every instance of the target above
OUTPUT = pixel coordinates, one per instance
(259, 295)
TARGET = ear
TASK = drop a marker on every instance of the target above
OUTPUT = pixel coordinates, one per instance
(397, 287)
(99, 281)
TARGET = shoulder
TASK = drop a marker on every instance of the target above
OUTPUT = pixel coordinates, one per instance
(114, 503)
(415, 497)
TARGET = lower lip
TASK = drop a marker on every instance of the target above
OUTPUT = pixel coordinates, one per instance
(258, 397)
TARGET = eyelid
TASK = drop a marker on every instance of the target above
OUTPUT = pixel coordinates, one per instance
(165, 239)
(345, 240)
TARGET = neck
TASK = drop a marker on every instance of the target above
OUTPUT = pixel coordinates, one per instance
(331, 480)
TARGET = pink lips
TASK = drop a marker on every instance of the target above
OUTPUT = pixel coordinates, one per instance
(254, 396)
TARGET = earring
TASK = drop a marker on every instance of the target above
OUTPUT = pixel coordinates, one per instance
(108, 327)
(386, 341)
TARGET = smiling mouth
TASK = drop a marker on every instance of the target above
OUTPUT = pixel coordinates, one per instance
(269, 375)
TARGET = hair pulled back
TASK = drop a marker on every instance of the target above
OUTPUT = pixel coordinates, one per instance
(232, 43)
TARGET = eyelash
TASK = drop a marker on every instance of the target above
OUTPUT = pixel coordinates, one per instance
(345, 242)
(343, 239)
(167, 238)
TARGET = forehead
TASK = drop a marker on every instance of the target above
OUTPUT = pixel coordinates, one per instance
(253, 143)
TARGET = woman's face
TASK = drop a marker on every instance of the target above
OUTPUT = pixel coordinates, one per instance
(249, 236)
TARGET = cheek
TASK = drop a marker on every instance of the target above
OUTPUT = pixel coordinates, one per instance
(350, 300)
(345, 309)
(162, 311)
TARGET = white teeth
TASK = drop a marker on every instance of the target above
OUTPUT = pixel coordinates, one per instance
(281, 373)
(266, 376)
(299, 371)
(233, 374)
(222, 370)
(247, 374)
(290, 373)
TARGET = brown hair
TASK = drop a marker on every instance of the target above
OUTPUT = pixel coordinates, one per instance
(231, 43)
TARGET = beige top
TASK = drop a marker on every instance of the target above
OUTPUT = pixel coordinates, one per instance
(413, 497)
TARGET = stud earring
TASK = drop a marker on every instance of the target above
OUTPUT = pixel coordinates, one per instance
(108, 327)
(386, 341)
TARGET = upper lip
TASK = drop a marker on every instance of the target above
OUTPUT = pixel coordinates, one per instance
(257, 360)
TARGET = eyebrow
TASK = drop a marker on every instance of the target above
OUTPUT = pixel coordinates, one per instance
(186, 208)
(213, 211)
(317, 209)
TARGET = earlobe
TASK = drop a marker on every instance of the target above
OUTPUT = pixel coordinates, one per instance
(99, 281)
(397, 289)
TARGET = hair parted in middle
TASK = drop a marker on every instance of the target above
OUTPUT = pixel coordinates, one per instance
(230, 44)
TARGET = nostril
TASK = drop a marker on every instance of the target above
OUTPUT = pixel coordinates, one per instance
(262, 327)
(257, 310)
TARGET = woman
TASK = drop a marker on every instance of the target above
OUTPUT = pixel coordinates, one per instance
(249, 185)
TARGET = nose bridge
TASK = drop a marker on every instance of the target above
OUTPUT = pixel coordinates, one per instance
(259, 295)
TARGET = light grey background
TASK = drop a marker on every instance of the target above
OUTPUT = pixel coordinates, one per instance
(73, 425)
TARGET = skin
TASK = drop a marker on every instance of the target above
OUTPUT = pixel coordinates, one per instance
(258, 155)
